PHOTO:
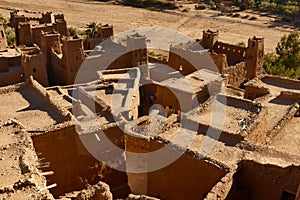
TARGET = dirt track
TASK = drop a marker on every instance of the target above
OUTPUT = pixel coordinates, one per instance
(80, 12)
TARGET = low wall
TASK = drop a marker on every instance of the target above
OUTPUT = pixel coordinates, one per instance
(289, 115)
(92, 102)
(10, 88)
(203, 95)
(222, 188)
(238, 102)
(257, 131)
(252, 92)
(290, 95)
(281, 82)
(45, 95)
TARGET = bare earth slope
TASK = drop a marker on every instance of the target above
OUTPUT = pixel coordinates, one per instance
(80, 12)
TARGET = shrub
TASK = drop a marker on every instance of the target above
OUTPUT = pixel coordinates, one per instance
(74, 31)
(146, 2)
(288, 50)
(10, 36)
(214, 7)
(201, 6)
(241, 44)
(236, 15)
(9, 32)
(265, 5)
(253, 18)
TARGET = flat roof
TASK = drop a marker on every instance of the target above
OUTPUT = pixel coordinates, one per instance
(27, 107)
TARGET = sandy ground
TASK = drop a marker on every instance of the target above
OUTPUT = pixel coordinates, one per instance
(80, 12)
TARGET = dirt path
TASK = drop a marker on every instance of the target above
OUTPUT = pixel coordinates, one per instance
(80, 12)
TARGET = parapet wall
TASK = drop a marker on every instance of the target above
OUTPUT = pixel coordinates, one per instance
(187, 61)
(234, 53)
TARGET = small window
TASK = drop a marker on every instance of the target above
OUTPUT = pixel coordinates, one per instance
(34, 70)
(2, 34)
(244, 54)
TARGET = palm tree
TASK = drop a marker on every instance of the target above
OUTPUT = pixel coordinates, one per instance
(92, 29)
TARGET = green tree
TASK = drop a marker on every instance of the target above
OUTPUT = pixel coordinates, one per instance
(241, 44)
(92, 29)
(286, 61)
(9, 32)
(74, 31)
(10, 36)
(288, 50)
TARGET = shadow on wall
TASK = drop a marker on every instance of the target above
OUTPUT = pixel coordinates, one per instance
(186, 178)
(62, 152)
(264, 181)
